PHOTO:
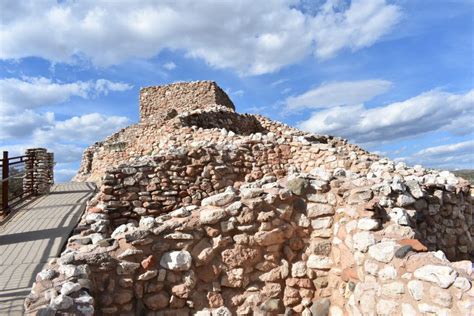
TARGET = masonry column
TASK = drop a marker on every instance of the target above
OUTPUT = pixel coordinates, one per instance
(39, 174)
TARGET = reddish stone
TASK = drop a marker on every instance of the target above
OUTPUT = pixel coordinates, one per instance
(149, 262)
(94, 210)
(349, 274)
(208, 273)
(415, 244)
(215, 300)
(241, 256)
(180, 290)
(301, 283)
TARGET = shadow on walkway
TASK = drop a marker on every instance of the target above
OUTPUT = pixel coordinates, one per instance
(35, 234)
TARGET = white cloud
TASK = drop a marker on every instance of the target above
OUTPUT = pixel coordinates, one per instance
(250, 37)
(22, 124)
(169, 66)
(338, 94)
(430, 111)
(33, 92)
(451, 156)
(87, 129)
(358, 26)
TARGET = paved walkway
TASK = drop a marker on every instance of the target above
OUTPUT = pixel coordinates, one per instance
(33, 235)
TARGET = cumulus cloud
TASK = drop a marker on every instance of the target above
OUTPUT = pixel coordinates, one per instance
(360, 25)
(430, 111)
(338, 94)
(250, 37)
(451, 156)
(87, 129)
(22, 124)
(33, 92)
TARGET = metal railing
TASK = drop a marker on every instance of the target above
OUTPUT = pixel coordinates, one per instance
(13, 187)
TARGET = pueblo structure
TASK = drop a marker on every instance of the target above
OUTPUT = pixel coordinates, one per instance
(205, 211)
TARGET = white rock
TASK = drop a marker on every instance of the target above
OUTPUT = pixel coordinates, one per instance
(441, 297)
(408, 310)
(367, 224)
(322, 223)
(415, 288)
(122, 229)
(443, 276)
(362, 241)
(298, 269)
(211, 215)
(405, 200)
(220, 199)
(319, 262)
(147, 222)
(383, 251)
(387, 307)
(394, 289)
(61, 302)
(176, 260)
(387, 273)
(46, 274)
(463, 284)
(249, 193)
(150, 274)
(371, 267)
(70, 287)
(399, 216)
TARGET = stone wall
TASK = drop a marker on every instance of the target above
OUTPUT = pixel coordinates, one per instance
(211, 212)
(39, 171)
(164, 102)
(308, 244)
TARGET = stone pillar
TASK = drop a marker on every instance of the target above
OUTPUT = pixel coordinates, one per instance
(39, 176)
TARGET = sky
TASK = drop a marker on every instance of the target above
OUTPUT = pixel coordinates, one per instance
(395, 77)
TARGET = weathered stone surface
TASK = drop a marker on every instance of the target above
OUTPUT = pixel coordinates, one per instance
(318, 209)
(211, 215)
(70, 287)
(241, 256)
(267, 238)
(219, 199)
(383, 251)
(61, 302)
(297, 185)
(156, 301)
(363, 240)
(319, 262)
(176, 260)
(443, 276)
(245, 215)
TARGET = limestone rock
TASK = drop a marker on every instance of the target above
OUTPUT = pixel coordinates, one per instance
(176, 260)
(363, 240)
(443, 276)
(220, 199)
(383, 251)
(211, 215)
(61, 302)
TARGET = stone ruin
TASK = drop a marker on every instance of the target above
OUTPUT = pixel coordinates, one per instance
(205, 211)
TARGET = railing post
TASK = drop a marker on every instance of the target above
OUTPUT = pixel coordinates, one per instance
(5, 171)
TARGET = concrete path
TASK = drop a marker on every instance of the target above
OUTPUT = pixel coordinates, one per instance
(33, 235)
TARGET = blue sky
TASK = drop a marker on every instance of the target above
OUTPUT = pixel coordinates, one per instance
(396, 77)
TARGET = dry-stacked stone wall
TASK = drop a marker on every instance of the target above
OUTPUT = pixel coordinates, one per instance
(164, 102)
(39, 171)
(209, 212)
(308, 243)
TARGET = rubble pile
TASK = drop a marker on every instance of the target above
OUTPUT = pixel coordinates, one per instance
(209, 212)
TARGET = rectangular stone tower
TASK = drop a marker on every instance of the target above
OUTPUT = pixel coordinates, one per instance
(159, 103)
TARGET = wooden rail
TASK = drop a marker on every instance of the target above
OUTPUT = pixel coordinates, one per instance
(10, 200)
